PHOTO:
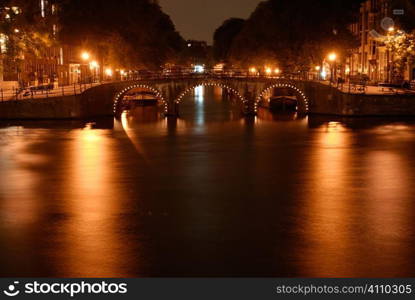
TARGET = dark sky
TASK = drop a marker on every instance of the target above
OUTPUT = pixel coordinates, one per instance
(198, 19)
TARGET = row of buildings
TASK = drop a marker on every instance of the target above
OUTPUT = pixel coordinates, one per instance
(56, 64)
(377, 19)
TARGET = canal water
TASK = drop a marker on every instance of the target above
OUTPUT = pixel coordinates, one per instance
(209, 194)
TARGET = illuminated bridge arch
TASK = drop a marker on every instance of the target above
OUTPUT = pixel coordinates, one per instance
(120, 95)
(302, 99)
(235, 92)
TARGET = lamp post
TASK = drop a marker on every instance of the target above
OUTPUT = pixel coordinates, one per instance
(389, 59)
(109, 73)
(85, 56)
(317, 68)
(332, 57)
(94, 66)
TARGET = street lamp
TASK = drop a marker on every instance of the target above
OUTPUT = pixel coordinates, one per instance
(85, 56)
(389, 57)
(94, 66)
(109, 72)
(317, 68)
(332, 57)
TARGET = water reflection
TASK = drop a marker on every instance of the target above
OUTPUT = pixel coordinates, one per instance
(208, 194)
(92, 226)
(357, 209)
(326, 221)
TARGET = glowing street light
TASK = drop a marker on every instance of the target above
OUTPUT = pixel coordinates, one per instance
(85, 56)
(109, 72)
(199, 69)
(253, 70)
(277, 71)
(332, 57)
(317, 68)
(94, 65)
(268, 71)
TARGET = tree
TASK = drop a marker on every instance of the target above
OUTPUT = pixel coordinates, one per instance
(131, 33)
(294, 34)
(224, 36)
(23, 33)
(402, 47)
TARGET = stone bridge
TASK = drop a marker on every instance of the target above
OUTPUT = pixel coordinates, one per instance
(248, 92)
(313, 98)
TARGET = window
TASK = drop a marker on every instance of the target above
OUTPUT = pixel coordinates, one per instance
(3, 43)
(43, 4)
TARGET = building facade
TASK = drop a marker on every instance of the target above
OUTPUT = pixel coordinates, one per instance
(51, 63)
(372, 59)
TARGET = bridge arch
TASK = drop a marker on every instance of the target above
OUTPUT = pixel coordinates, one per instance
(243, 101)
(120, 95)
(302, 99)
(221, 85)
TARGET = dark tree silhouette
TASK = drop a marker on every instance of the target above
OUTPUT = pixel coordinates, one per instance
(131, 33)
(294, 34)
(224, 36)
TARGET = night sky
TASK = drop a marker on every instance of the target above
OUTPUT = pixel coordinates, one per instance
(198, 19)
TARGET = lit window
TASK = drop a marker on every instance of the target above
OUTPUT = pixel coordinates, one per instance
(43, 8)
(3, 43)
(16, 10)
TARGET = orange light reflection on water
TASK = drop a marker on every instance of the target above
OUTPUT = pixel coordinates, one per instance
(335, 209)
(92, 245)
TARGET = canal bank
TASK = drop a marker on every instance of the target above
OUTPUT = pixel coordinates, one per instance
(327, 100)
(93, 102)
(99, 102)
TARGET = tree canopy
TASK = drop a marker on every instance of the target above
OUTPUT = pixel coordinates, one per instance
(224, 37)
(132, 33)
(294, 33)
(23, 31)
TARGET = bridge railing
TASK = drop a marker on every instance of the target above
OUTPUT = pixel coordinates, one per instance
(45, 91)
(231, 74)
